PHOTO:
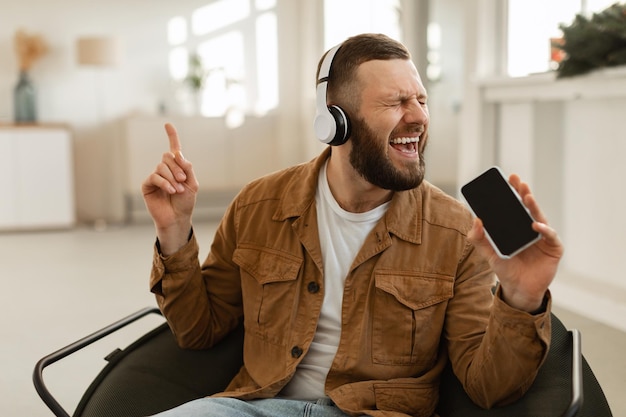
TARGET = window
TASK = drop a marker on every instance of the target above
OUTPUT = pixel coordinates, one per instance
(234, 44)
(345, 18)
(531, 24)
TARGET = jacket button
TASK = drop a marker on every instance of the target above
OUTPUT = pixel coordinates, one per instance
(313, 287)
(296, 352)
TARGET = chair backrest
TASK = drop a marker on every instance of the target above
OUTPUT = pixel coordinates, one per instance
(154, 374)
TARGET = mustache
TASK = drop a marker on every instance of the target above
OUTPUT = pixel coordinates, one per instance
(409, 129)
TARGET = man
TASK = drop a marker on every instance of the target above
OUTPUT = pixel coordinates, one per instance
(356, 280)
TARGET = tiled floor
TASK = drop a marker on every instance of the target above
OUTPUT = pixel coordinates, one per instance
(57, 287)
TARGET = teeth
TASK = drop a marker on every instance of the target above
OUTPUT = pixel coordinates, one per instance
(398, 141)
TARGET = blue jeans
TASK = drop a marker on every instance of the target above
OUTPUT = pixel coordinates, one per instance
(270, 407)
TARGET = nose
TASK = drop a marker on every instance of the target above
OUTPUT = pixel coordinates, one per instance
(416, 112)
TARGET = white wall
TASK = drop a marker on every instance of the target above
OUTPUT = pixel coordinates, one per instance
(593, 180)
(446, 95)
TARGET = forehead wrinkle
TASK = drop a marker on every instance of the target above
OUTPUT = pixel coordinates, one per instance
(389, 85)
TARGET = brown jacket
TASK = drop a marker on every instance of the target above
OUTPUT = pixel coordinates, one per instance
(417, 294)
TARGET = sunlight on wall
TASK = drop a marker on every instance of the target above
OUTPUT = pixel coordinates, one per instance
(236, 43)
(531, 24)
(345, 18)
(217, 15)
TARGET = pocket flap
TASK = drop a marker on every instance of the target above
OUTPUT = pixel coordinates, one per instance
(267, 265)
(416, 290)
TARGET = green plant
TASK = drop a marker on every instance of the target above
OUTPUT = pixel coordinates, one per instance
(196, 73)
(593, 43)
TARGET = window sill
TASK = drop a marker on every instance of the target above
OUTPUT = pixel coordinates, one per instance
(599, 84)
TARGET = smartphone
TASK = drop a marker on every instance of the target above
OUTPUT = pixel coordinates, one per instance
(507, 222)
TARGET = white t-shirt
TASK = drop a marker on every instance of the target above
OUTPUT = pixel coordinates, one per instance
(341, 236)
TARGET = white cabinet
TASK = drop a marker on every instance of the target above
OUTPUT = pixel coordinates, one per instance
(36, 177)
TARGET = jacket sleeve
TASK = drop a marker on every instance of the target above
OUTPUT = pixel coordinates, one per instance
(202, 303)
(498, 359)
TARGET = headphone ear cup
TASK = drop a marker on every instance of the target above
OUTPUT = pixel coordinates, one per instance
(325, 126)
(342, 126)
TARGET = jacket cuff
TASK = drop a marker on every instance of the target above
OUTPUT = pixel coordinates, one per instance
(524, 322)
(186, 258)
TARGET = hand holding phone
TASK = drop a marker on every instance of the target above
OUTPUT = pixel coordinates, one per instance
(507, 222)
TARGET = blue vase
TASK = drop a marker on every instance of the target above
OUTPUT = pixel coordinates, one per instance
(24, 100)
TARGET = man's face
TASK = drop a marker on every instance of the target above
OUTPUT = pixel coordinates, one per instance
(389, 132)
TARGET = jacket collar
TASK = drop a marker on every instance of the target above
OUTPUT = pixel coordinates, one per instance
(299, 192)
(403, 218)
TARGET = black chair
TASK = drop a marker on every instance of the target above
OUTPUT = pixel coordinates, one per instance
(154, 374)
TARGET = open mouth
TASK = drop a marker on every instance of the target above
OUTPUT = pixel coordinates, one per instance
(405, 144)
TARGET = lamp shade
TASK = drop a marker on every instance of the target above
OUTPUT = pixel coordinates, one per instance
(99, 51)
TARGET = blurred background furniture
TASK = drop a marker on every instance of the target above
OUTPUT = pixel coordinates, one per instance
(36, 177)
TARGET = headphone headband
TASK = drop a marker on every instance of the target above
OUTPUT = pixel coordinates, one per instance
(325, 67)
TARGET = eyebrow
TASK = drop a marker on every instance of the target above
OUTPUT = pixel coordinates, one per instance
(404, 96)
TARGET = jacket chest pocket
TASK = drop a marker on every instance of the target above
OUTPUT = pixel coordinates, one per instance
(408, 316)
(269, 287)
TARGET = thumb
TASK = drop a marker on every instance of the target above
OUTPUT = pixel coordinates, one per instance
(476, 233)
(478, 238)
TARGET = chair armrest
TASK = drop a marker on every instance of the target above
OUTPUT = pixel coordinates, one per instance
(557, 390)
(40, 386)
(577, 376)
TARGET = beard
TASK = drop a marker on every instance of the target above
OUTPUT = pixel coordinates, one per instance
(370, 159)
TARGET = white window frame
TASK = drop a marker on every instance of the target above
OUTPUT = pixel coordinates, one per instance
(253, 65)
(584, 7)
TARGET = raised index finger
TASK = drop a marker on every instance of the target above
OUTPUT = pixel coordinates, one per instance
(173, 138)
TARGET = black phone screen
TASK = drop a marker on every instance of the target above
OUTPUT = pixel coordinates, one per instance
(505, 219)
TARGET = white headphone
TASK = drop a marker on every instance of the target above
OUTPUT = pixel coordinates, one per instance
(331, 123)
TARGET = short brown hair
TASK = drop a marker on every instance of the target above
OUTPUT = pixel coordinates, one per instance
(353, 52)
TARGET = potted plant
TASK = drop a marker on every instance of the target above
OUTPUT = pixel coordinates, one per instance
(592, 43)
